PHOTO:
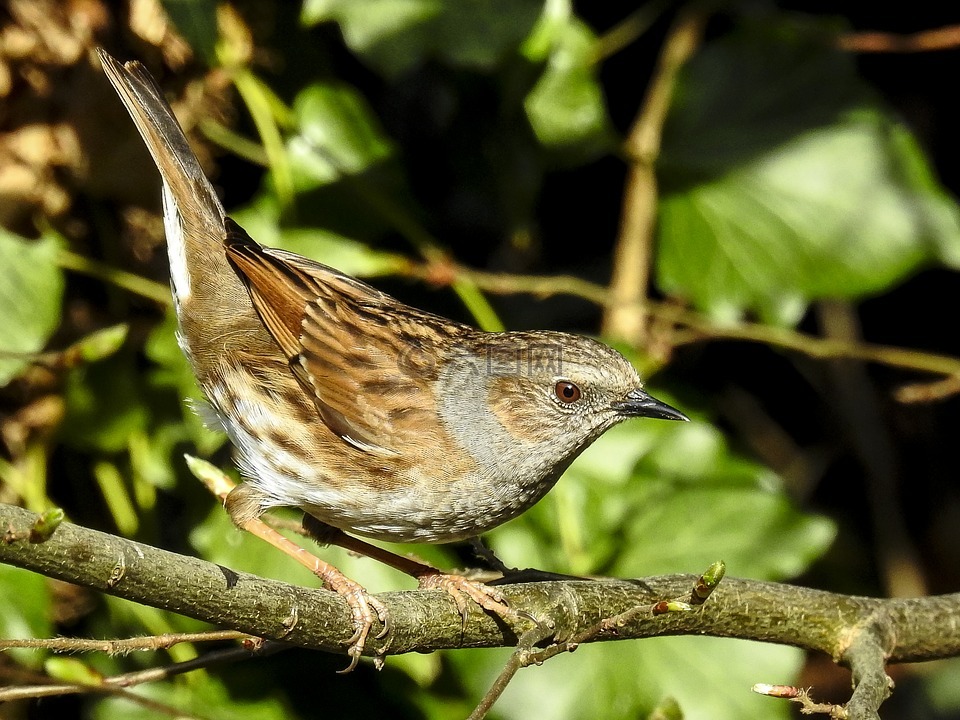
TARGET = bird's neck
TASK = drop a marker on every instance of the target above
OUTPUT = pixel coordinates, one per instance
(521, 469)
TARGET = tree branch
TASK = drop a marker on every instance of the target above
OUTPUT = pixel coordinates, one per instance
(425, 620)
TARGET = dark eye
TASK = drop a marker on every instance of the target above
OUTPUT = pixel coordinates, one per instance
(566, 391)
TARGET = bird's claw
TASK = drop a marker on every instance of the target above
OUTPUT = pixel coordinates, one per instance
(363, 607)
(461, 588)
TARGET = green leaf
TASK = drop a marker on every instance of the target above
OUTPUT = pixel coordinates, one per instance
(337, 134)
(691, 501)
(627, 679)
(338, 151)
(393, 36)
(72, 670)
(566, 107)
(340, 158)
(784, 182)
(31, 292)
(100, 344)
(759, 534)
(27, 612)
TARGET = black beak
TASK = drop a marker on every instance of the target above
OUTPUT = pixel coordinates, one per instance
(638, 404)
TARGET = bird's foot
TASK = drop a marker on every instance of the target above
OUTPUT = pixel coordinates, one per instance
(462, 590)
(364, 607)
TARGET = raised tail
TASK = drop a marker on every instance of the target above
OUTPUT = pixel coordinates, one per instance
(211, 300)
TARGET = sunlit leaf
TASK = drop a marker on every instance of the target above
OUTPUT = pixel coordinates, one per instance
(72, 670)
(624, 679)
(783, 182)
(27, 612)
(566, 107)
(758, 534)
(337, 134)
(31, 290)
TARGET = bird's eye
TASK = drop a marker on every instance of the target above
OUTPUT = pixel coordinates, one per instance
(566, 391)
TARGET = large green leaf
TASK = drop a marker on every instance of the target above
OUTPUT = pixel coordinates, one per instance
(340, 158)
(758, 533)
(709, 677)
(31, 290)
(783, 181)
(394, 35)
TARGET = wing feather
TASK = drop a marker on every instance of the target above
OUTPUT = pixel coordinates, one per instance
(367, 361)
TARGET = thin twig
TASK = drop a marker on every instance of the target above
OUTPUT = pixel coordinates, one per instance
(536, 634)
(121, 646)
(631, 263)
(945, 38)
(158, 292)
(630, 29)
(443, 271)
(118, 684)
(526, 655)
(803, 697)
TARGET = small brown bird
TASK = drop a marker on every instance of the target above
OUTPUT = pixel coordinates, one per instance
(373, 417)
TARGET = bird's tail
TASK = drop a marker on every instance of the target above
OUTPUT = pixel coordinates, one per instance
(211, 300)
(193, 215)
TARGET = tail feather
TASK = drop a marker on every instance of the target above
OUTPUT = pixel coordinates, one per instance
(193, 215)
(214, 310)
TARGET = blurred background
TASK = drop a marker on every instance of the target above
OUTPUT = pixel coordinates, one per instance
(755, 201)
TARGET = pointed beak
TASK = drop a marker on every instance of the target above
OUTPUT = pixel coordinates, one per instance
(638, 404)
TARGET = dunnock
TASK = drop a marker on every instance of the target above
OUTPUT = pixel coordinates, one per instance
(373, 417)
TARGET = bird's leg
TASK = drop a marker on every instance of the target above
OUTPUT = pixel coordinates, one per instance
(485, 554)
(363, 607)
(457, 586)
(514, 575)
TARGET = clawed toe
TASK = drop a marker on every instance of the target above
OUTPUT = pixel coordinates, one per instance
(363, 608)
(460, 589)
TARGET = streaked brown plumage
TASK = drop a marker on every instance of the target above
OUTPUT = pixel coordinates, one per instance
(374, 417)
